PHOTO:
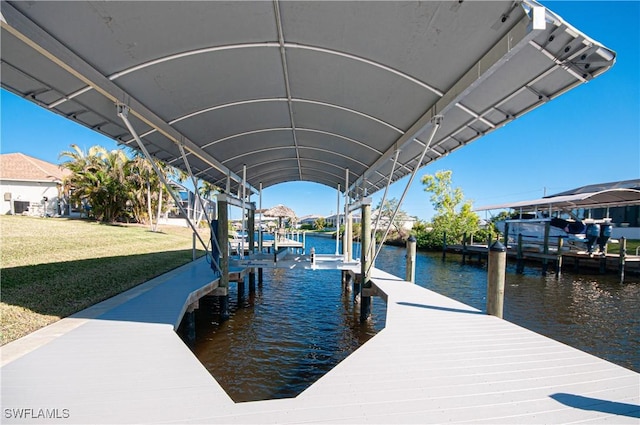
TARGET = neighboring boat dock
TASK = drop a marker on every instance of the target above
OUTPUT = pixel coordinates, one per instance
(558, 259)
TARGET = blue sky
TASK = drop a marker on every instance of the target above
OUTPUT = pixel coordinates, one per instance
(588, 135)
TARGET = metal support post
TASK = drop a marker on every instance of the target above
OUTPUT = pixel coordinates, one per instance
(251, 230)
(348, 229)
(365, 262)
(346, 212)
(260, 221)
(244, 210)
(338, 222)
(496, 270)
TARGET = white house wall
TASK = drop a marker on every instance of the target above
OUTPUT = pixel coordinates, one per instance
(32, 192)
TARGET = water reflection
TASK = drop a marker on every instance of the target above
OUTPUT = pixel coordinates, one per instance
(594, 313)
(296, 327)
(299, 324)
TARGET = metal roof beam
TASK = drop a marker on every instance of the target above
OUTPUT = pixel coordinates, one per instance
(41, 41)
(511, 43)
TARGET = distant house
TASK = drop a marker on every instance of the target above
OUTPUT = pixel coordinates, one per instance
(330, 220)
(309, 219)
(30, 185)
(405, 222)
(189, 203)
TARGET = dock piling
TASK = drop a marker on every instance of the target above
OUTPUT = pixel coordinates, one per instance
(559, 257)
(252, 280)
(444, 246)
(621, 257)
(223, 242)
(545, 249)
(366, 258)
(464, 249)
(410, 273)
(519, 256)
(495, 279)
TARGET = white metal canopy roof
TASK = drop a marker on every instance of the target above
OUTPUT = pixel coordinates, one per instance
(601, 199)
(294, 90)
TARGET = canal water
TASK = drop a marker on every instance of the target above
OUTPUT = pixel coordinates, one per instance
(299, 323)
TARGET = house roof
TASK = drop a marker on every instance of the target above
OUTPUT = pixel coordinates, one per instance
(21, 167)
(322, 91)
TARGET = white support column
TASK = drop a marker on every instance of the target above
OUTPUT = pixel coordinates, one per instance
(260, 222)
(338, 222)
(346, 212)
(244, 198)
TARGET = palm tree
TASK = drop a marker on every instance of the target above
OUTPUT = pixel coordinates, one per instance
(97, 180)
(206, 191)
(139, 184)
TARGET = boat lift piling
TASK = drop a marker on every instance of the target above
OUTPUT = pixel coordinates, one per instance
(410, 273)
(223, 242)
(496, 270)
(366, 259)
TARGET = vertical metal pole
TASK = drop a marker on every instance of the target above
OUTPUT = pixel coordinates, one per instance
(365, 261)
(223, 242)
(251, 228)
(348, 229)
(244, 200)
(260, 221)
(410, 273)
(495, 279)
(338, 222)
(346, 211)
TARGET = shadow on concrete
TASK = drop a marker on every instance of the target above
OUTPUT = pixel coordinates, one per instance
(598, 405)
(433, 307)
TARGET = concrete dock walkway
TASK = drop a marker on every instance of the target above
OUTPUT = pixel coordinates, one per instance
(437, 360)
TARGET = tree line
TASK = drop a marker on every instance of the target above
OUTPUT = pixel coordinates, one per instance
(454, 217)
(112, 186)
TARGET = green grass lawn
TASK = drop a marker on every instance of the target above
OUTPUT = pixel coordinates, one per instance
(51, 268)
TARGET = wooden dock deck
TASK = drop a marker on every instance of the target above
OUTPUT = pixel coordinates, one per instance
(437, 360)
(572, 260)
